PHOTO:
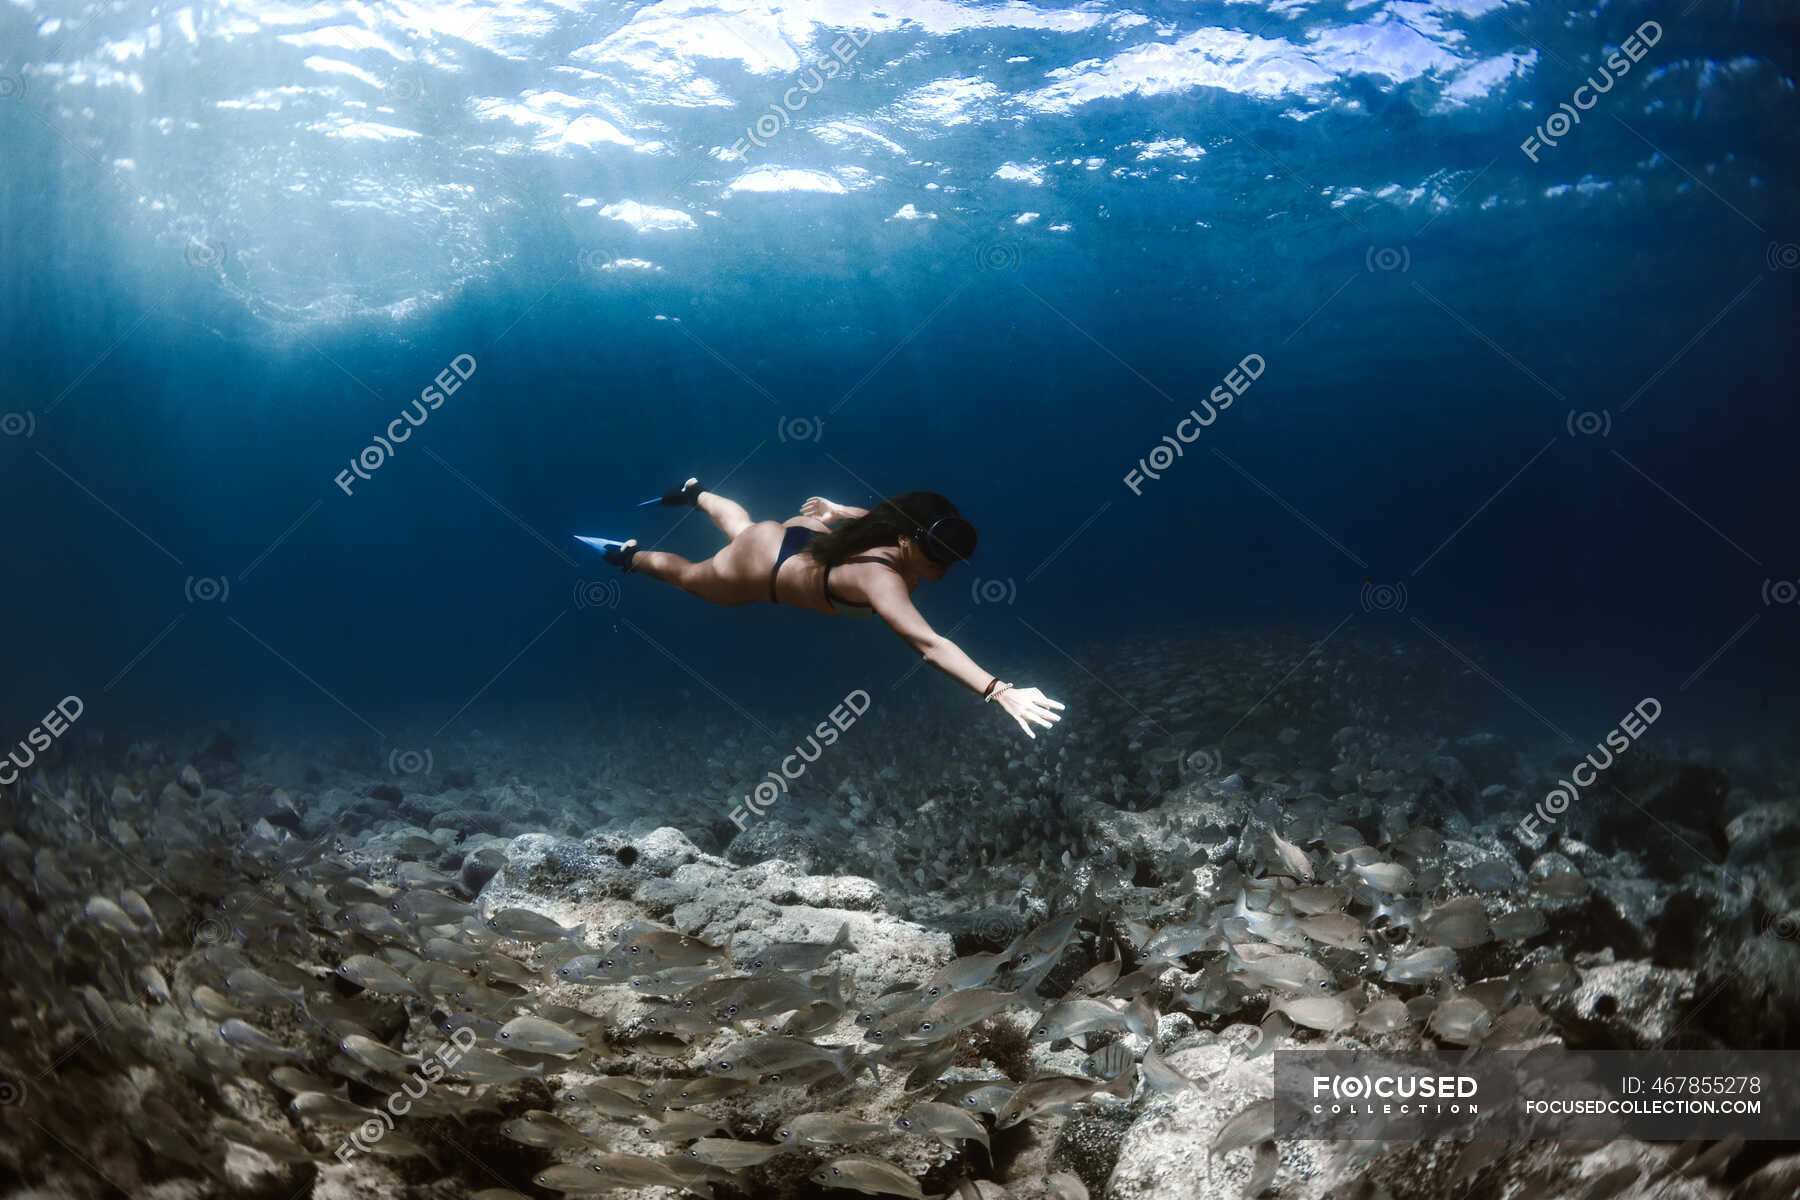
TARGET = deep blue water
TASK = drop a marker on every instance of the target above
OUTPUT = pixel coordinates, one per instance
(199, 342)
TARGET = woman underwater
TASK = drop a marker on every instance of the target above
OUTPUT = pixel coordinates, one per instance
(869, 565)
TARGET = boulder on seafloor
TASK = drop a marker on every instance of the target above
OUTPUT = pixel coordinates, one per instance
(1166, 1151)
(1190, 823)
(772, 838)
(1760, 830)
(479, 866)
(1631, 1005)
(603, 864)
(711, 899)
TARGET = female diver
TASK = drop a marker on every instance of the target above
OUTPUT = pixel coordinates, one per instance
(870, 564)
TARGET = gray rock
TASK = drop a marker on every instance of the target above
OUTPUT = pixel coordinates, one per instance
(772, 838)
(826, 891)
(479, 867)
(1760, 830)
(712, 900)
(1164, 1153)
(1778, 1180)
(660, 851)
(1637, 1003)
(466, 821)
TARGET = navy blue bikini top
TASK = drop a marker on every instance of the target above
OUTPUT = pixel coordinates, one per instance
(793, 542)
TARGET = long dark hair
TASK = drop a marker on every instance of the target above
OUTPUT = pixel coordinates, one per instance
(885, 524)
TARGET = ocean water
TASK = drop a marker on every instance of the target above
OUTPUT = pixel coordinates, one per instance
(1488, 309)
(999, 254)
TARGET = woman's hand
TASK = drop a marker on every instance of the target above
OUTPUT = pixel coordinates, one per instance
(819, 509)
(1029, 706)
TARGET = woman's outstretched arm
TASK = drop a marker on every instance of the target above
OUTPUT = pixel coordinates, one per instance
(821, 509)
(1027, 706)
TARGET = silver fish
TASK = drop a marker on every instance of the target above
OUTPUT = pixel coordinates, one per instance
(1420, 965)
(757, 1056)
(376, 1056)
(969, 971)
(371, 974)
(1288, 972)
(1461, 1021)
(111, 917)
(1249, 1127)
(798, 956)
(1385, 876)
(1491, 875)
(1386, 1015)
(1337, 929)
(1067, 1018)
(946, 1122)
(1327, 1014)
(818, 1129)
(733, 1154)
(540, 1037)
(1459, 924)
(1293, 860)
(254, 1042)
(545, 1131)
(484, 1066)
(523, 925)
(871, 1176)
(1048, 1093)
(250, 986)
(1519, 925)
(609, 1173)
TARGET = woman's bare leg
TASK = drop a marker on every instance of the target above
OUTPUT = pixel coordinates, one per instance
(737, 574)
(692, 577)
(728, 515)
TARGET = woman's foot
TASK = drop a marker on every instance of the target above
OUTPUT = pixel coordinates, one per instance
(688, 493)
(618, 553)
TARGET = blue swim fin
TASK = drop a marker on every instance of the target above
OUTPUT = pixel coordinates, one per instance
(614, 551)
(685, 494)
